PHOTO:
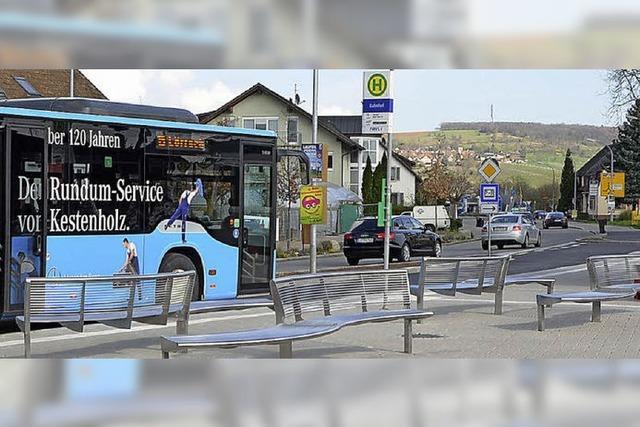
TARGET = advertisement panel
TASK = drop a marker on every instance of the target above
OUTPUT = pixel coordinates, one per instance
(313, 204)
(315, 153)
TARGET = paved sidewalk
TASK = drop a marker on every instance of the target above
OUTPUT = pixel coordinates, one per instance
(463, 327)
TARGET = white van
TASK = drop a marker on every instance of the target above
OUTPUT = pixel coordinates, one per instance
(432, 217)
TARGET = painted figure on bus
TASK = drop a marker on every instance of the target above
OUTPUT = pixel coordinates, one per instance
(131, 264)
(184, 206)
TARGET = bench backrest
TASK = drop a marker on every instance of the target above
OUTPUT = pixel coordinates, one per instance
(78, 296)
(614, 271)
(297, 298)
(480, 271)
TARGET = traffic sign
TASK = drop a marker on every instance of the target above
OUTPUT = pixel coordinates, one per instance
(612, 187)
(377, 102)
(489, 169)
(489, 193)
(377, 106)
(376, 84)
(489, 208)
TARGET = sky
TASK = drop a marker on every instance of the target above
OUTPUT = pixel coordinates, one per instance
(423, 98)
(488, 17)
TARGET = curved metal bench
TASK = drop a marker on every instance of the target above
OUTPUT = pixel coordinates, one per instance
(470, 275)
(111, 300)
(611, 277)
(310, 306)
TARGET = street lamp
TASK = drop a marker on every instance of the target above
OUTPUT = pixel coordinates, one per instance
(610, 179)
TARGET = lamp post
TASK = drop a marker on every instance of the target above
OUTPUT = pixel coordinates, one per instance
(610, 181)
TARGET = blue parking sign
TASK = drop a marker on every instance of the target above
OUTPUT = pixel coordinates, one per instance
(489, 193)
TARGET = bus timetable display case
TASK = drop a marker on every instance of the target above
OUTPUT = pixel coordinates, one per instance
(188, 196)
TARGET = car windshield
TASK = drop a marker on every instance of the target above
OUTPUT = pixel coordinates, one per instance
(366, 224)
(507, 219)
(556, 215)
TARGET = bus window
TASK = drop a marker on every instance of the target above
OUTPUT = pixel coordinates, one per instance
(108, 181)
(26, 227)
(216, 209)
(3, 201)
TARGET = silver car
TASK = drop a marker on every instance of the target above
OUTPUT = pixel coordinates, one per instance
(512, 229)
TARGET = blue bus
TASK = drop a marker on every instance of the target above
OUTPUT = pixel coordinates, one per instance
(90, 186)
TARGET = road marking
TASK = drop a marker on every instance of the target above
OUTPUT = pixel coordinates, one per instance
(107, 332)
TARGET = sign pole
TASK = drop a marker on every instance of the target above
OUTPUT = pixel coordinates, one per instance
(387, 201)
(489, 234)
(314, 139)
(377, 117)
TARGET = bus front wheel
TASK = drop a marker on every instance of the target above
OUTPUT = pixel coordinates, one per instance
(173, 263)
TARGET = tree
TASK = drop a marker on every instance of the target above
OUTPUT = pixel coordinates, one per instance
(378, 175)
(367, 183)
(624, 90)
(459, 185)
(288, 189)
(436, 185)
(626, 151)
(566, 184)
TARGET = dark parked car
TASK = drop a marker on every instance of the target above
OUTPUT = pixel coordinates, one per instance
(555, 219)
(408, 237)
(540, 214)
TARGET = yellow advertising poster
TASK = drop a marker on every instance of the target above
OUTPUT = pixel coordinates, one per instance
(313, 204)
(612, 187)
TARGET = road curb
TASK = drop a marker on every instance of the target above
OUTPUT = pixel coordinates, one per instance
(300, 258)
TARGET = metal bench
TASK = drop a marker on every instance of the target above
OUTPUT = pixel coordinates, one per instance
(214, 306)
(310, 306)
(111, 300)
(470, 275)
(611, 277)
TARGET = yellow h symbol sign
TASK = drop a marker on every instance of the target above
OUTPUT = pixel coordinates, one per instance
(377, 84)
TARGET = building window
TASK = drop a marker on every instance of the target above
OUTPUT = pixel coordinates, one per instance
(395, 173)
(261, 123)
(28, 87)
(370, 150)
(330, 160)
(397, 199)
(292, 130)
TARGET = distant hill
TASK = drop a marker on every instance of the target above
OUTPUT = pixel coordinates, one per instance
(530, 150)
(597, 135)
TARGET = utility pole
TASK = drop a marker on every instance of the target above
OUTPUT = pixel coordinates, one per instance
(553, 192)
(72, 83)
(314, 140)
(610, 181)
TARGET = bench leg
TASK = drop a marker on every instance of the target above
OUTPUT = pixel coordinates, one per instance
(550, 287)
(497, 309)
(165, 354)
(420, 305)
(182, 324)
(595, 311)
(286, 350)
(408, 336)
(27, 341)
(541, 317)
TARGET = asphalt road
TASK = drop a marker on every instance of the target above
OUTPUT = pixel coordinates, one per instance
(560, 248)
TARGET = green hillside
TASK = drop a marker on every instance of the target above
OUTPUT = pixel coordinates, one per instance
(539, 148)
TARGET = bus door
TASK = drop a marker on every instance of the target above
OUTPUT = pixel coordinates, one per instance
(25, 232)
(257, 217)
